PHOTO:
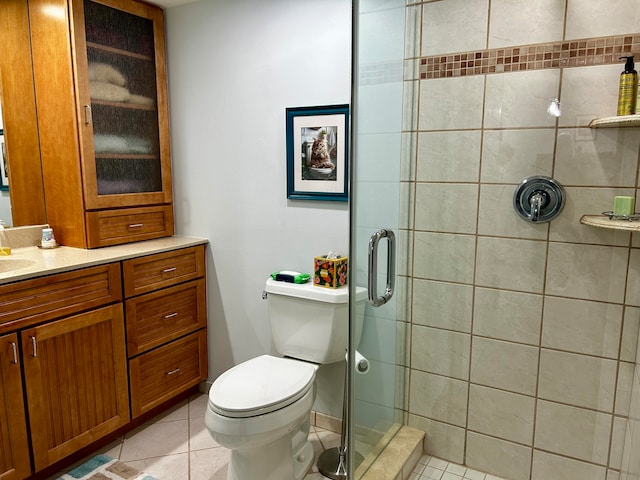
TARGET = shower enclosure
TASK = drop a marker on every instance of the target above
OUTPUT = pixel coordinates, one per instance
(511, 343)
(378, 198)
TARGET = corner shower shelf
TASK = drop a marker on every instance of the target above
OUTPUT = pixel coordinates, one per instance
(603, 221)
(614, 122)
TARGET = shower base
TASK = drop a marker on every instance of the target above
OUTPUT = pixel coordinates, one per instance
(396, 458)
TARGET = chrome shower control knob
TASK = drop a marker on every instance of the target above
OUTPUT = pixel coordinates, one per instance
(538, 199)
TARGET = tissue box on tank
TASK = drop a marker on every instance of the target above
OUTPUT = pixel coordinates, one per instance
(330, 272)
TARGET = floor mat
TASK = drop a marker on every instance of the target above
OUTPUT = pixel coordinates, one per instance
(103, 467)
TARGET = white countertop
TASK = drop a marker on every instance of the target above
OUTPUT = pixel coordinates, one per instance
(63, 259)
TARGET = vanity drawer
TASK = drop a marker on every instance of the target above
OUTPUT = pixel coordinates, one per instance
(145, 274)
(32, 301)
(158, 317)
(160, 374)
(114, 227)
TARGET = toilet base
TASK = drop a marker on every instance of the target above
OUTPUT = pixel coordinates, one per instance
(275, 461)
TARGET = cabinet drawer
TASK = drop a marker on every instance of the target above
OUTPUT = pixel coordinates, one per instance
(160, 374)
(113, 227)
(158, 317)
(32, 301)
(145, 274)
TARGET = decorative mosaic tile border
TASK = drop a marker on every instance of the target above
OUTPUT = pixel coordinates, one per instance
(573, 53)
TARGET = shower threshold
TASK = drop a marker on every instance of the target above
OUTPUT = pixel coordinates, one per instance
(395, 458)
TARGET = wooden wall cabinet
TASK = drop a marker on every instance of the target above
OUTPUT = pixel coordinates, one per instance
(101, 95)
(19, 116)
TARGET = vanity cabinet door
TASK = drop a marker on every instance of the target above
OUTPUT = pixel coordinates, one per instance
(14, 449)
(76, 382)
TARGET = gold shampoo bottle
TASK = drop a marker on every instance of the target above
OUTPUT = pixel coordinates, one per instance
(628, 91)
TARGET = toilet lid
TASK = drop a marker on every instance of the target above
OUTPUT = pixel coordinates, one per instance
(261, 385)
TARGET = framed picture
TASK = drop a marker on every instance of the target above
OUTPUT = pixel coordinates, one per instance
(317, 150)
(4, 173)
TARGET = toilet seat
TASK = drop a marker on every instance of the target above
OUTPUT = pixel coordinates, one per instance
(260, 385)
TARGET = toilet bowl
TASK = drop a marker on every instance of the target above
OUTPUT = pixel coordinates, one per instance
(260, 409)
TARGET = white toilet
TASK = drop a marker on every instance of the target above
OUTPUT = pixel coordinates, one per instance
(260, 408)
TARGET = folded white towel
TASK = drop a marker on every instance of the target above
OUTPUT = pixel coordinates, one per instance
(139, 145)
(102, 72)
(109, 143)
(141, 100)
(108, 92)
(103, 143)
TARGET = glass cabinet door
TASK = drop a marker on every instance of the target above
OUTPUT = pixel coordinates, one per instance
(122, 142)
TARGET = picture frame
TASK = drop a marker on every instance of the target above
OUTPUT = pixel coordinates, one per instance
(4, 172)
(317, 153)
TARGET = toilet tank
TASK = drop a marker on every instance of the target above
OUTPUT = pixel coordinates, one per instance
(310, 322)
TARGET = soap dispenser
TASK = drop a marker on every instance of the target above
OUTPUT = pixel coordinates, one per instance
(5, 248)
(628, 90)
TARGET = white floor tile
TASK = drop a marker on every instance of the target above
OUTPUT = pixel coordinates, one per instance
(456, 469)
(450, 476)
(174, 467)
(316, 476)
(198, 405)
(199, 437)
(177, 446)
(432, 473)
(437, 463)
(474, 475)
(209, 464)
(155, 440)
(177, 412)
(329, 439)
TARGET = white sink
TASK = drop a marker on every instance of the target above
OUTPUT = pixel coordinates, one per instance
(8, 264)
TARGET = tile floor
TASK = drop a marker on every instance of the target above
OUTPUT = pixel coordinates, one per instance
(175, 445)
(432, 468)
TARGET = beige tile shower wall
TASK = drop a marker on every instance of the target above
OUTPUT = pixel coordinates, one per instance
(522, 353)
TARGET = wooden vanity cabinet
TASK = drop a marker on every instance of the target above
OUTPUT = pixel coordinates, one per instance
(69, 340)
(101, 94)
(166, 325)
(14, 447)
(85, 351)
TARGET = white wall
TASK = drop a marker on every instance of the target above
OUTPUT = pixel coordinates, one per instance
(234, 66)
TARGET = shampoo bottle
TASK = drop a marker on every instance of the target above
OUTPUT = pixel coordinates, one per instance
(628, 91)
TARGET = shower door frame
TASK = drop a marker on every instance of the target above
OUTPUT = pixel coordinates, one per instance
(399, 162)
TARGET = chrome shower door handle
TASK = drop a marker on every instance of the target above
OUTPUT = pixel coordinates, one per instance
(374, 299)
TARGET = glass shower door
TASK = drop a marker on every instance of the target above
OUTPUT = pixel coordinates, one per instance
(378, 200)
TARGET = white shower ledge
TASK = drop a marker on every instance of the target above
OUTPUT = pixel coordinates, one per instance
(617, 121)
(602, 221)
